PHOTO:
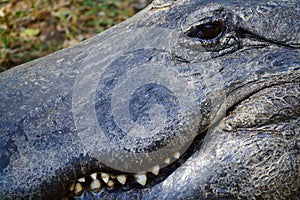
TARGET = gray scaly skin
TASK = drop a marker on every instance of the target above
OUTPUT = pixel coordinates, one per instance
(247, 115)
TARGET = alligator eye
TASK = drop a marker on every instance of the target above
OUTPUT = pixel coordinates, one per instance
(206, 31)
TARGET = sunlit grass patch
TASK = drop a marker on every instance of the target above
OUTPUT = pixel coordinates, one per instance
(33, 28)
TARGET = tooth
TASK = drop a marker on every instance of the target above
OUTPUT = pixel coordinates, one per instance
(122, 179)
(95, 185)
(167, 160)
(78, 189)
(110, 183)
(81, 180)
(113, 176)
(94, 176)
(105, 177)
(176, 155)
(141, 179)
(155, 170)
(72, 187)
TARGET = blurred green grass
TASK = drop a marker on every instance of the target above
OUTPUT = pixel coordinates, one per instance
(30, 29)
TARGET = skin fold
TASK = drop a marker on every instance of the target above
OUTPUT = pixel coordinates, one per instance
(217, 80)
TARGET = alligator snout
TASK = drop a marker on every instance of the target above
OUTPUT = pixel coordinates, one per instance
(185, 100)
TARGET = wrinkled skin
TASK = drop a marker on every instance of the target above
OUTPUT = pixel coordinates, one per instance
(247, 115)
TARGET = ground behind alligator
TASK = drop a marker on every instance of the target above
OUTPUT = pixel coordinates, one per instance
(30, 29)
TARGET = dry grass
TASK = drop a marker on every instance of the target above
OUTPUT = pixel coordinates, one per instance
(33, 28)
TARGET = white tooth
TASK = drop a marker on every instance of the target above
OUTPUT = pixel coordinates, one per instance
(122, 179)
(167, 160)
(72, 187)
(78, 189)
(95, 185)
(105, 177)
(94, 176)
(176, 155)
(110, 183)
(141, 179)
(155, 170)
(81, 180)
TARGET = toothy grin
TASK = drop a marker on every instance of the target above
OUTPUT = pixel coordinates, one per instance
(104, 180)
(96, 181)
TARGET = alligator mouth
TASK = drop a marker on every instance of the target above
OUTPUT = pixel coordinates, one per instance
(108, 180)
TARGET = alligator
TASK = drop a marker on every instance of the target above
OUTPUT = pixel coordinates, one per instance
(187, 99)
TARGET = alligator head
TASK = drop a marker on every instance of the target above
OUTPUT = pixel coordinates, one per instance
(186, 100)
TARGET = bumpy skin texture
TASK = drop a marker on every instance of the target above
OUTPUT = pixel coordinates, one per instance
(251, 148)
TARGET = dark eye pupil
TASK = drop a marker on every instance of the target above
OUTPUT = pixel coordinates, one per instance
(206, 31)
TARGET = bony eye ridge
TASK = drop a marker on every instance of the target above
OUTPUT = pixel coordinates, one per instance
(207, 31)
